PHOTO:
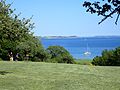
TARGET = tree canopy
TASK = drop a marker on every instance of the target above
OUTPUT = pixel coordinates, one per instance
(108, 58)
(105, 8)
(60, 54)
(15, 34)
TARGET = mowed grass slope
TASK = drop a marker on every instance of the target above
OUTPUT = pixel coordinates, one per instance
(52, 76)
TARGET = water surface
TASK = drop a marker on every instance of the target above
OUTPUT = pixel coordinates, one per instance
(77, 46)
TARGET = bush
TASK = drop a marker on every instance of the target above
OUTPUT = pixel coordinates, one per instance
(108, 58)
(59, 55)
(41, 56)
(98, 61)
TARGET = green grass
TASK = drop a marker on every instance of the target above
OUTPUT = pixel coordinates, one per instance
(83, 62)
(52, 76)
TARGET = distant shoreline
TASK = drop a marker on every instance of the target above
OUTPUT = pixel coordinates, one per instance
(70, 37)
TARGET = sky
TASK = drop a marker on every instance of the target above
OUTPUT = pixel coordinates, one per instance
(64, 18)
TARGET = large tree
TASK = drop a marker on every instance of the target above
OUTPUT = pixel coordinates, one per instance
(105, 8)
(15, 34)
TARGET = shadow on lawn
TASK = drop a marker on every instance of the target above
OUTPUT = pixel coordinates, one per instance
(4, 72)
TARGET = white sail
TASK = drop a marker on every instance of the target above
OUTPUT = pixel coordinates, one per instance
(87, 51)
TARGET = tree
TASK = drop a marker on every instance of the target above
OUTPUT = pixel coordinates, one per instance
(117, 56)
(12, 29)
(32, 49)
(104, 8)
(15, 35)
(108, 58)
(60, 54)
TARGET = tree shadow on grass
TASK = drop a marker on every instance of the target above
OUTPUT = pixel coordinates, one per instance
(4, 72)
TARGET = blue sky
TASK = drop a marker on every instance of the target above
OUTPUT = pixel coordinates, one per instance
(64, 18)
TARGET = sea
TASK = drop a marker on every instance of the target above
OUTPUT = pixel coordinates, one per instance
(80, 45)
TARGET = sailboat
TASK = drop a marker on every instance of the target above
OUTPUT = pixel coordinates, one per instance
(87, 52)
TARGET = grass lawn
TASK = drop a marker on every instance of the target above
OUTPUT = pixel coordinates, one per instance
(84, 62)
(52, 76)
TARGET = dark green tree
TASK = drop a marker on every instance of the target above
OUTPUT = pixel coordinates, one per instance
(32, 50)
(98, 61)
(60, 54)
(117, 56)
(108, 58)
(105, 8)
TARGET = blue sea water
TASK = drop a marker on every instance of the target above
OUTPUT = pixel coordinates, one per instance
(78, 46)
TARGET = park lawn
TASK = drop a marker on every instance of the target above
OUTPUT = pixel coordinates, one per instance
(53, 76)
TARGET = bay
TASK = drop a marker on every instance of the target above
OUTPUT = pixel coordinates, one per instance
(78, 46)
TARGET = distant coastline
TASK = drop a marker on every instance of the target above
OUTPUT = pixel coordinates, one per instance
(65, 37)
(59, 37)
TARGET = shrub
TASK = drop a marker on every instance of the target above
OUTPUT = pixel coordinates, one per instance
(59, 55)
(108, 58)
(41, 56)
(98, 61)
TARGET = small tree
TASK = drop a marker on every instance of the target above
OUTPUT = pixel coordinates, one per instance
(60, 54)
(108, 58)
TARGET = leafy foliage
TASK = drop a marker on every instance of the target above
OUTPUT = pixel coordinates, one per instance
(16, 36)
(60, 55)
(108, 58)
(107, 9)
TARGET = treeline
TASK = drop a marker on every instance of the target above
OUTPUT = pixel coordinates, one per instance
(18, 43)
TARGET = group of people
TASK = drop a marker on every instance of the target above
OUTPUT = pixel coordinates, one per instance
(12, 57)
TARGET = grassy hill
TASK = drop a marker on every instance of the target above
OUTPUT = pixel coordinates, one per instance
(49, 76)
